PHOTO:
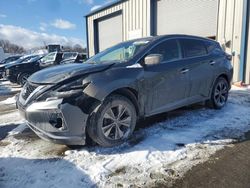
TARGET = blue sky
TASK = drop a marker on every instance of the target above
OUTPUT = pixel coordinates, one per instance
(25, 21)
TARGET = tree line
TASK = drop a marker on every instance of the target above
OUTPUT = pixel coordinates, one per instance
(11, 48)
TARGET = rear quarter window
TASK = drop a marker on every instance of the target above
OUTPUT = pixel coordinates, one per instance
(193, 48)
(211, 46)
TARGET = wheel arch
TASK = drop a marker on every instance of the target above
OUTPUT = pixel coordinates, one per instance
(222, 75)
(129, 93)
(225, 76)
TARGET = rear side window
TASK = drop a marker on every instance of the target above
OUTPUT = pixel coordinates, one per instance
(193, 48)
(169, 50)
(211, 46)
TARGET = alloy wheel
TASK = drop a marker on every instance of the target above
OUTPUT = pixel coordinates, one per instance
(24, 79)
(221, 93)
(117, 122)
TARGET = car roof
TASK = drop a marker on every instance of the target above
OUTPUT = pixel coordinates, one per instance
(162, 37)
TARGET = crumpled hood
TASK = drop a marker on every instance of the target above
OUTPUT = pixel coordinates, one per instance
(56, 74)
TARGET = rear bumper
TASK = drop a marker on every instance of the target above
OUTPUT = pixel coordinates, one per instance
(59, 122)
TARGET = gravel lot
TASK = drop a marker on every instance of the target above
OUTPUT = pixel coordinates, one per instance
(164, 148)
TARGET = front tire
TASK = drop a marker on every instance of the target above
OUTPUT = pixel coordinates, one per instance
(219, 95)
(113, 122)
(22, 78)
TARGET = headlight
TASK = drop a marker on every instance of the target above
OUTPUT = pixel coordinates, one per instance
(74, 88)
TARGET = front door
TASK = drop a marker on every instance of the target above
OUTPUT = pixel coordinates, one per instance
(166, 83)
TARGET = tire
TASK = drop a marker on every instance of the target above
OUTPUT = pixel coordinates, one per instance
(219, 94)
(22, 78)
(112, 122)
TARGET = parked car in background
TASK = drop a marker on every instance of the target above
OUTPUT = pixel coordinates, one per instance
(105, 96)
(19, 73)
(53, 48)
(56, 58)
(10, 59)
(51, 59)
(18, 61)
(76, 58)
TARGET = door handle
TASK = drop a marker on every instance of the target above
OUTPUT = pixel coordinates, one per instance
(212, 63)
(184, 71)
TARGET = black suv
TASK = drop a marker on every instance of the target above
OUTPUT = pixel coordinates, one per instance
(16, 62)
(19, 73)
(105, 96)
(10, 59)
(7, 60)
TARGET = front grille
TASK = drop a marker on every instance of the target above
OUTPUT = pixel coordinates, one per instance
(28, 89)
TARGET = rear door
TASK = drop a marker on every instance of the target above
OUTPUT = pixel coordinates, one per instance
(165, 84)
(200, 67)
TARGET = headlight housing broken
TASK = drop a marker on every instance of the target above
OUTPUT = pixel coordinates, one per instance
(72, 89)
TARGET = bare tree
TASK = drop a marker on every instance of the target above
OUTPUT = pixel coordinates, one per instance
(76, 48)
(10, 47)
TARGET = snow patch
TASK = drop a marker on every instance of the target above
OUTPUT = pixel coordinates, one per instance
(163, 151)
(9, 101)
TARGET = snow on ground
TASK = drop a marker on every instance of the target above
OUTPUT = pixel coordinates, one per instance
(9, 101)
(8, 88)
(10, 118)
(162, 149)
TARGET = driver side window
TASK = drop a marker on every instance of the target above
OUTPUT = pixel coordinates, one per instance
(169, 50)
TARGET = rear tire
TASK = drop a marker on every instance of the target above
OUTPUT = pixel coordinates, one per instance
(112, 122)
(219, 94)
(22, 78)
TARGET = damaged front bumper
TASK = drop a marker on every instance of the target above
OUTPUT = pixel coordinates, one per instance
(59, 122)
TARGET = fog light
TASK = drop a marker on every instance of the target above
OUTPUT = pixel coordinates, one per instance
(57, 123)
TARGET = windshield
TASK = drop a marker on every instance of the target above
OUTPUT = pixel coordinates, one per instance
(34, 59)
(122, 52)
(24, 59)
(49, 57)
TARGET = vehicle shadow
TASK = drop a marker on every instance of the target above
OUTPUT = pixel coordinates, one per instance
(4, 130)
(188, 125)
(52, 172)
(163, 132)
(7, 90)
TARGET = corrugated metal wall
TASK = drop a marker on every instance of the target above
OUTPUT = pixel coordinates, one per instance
(247, 70)
(192, 17)
(230, 29)
(136, 20)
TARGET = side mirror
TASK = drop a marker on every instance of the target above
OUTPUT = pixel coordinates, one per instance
(153, 59)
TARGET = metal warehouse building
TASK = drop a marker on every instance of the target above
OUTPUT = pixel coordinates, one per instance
(225, 20)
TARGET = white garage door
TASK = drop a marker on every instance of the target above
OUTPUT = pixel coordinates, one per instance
(109, 32)
(194, 17)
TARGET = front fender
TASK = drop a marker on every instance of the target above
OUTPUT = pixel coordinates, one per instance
(102, 84)
(100, 91)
